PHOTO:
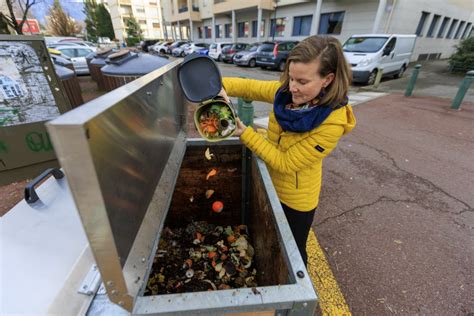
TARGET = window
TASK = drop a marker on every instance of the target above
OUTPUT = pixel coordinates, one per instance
(458, 32)
(156, 25)
(390, 45)
(421, 23)
(228, 30)
(302, 25)
(254, 28)
(152, 3)
(80, 52)
(364, 44)
(243, 29)
(125, 10)
(331, 23)
(443, 27)
(199, 32)
(433, 25)
(69, 52)
(218, 31)
(468, 26)
(140, 9)
(277, 27)
(207, 31)
(451, 28)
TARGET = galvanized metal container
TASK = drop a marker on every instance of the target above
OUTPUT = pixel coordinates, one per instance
(132, 170)
(125, 66)
(70, 85)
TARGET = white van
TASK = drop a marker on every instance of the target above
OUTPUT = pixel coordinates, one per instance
(366, 53)
(215, 50)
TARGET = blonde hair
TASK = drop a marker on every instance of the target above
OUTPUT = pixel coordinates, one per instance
(328, 51)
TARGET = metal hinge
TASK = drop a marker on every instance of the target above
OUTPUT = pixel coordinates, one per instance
(91, 282)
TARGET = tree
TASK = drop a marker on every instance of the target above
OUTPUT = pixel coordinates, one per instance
(60, 23)
(11, 19)
(104, 22)
(134, 32)
(133, 28)
(463, 59)
(90, 10)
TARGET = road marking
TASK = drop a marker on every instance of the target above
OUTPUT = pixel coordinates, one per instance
(331, 300)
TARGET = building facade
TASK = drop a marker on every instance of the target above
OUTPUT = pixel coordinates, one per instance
(439, 24)
(148, 14)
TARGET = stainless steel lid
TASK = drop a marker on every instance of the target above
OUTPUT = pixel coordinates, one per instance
(121, 154)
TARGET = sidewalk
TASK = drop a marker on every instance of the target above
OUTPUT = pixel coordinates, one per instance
(396, 215)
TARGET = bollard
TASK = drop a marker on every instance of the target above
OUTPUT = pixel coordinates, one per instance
(465, 83)
(240, 102)
(411, 83)
(247, 112)
(378, 78)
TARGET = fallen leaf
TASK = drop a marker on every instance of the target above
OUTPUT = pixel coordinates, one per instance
(191, 199)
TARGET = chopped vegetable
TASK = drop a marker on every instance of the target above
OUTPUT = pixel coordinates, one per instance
(208, 154)
(211, 173)
(217, 206)
(209, 193)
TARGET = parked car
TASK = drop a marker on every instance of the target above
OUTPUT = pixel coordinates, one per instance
(204, 52)
(145, 44)
(77, 55)
(228, 52)
(174, 45)
(82, 44)
(195, 48)
(274, 54)
(247, 57)
(179, 51)
(215, 50)
(369, 52)
(161, 47)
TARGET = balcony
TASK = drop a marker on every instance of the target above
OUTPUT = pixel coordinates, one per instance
(126, 2)
(225, 6)
(184, 14)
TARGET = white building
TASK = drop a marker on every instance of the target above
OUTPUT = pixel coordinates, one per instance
(146, 12)
(439, 24)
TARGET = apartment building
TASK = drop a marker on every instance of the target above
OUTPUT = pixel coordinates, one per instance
(148, 14)
(439, 24)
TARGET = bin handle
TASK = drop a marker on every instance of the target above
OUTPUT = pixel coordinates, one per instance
(30, 193)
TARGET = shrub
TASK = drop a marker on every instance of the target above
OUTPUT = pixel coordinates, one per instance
(463, 59)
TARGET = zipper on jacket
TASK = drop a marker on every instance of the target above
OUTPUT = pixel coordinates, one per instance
(297, 179)
(279, 138)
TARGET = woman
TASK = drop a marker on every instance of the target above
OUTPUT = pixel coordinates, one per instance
(310, 114)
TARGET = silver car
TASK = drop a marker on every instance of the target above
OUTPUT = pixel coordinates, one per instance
(77, 55)
(247, 57)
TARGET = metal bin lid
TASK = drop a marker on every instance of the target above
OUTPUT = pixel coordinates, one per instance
(58, 60)
(127, 63)
(199, 77)
(121, 154)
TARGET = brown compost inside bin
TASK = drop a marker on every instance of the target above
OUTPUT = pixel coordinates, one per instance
(227, 184)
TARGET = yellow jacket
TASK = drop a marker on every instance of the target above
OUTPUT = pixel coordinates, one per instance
(294, 160)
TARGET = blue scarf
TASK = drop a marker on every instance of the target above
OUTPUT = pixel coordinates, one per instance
(299, 121)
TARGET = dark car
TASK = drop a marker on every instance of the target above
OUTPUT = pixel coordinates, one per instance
(247, 57)
(147, 43)
(274, 54)
(228, 52)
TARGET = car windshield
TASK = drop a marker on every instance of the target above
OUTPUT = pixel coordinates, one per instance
(364, 44)
(267, 47)
(213, 46)
(253, 48)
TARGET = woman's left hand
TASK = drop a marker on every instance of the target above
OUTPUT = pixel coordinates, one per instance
(240, 127)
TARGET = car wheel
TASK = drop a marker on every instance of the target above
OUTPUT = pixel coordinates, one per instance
(162, 51)
(182, 54)
(400, 72)
(219, 58)
(281, 65)
(252, 63)
(371, 79)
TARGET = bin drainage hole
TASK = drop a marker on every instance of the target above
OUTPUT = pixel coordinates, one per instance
(300, 274)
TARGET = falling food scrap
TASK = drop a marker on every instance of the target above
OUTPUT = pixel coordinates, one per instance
(208, 154)
(211, 173)
(209, 193)
(191, 199)
(217, 206)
